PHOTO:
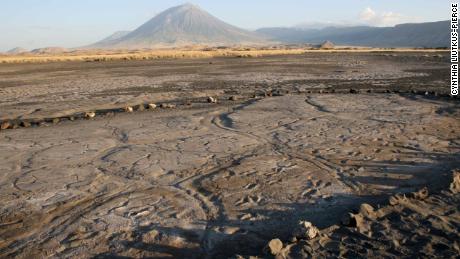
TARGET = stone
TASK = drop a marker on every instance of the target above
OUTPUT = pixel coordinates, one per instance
(352, 220)
(212, 99)
(421, 194)
(455, 185)
(26, 124)
(347, 219)
(129, 109)
(306, 230)
(366, 210)
(167, 106)
(152, 106)
(140, 107)
(90, 115)
(5, 125)
(275, 246)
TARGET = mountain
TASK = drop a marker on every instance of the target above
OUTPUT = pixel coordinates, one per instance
(319, 25)
(113, 38)
(17, 50)
(431, 34)
(180, 26)
(49, 50)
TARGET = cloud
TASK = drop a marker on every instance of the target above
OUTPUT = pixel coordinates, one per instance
(367, 15)
(371, 17)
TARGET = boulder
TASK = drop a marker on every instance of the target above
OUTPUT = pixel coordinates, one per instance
(275, 246)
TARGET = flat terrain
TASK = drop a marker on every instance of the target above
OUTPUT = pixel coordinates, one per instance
(300, 137)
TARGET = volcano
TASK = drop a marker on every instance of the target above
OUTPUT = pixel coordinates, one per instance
(182, 25)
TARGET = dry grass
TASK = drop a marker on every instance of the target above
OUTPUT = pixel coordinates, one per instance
(98, 56)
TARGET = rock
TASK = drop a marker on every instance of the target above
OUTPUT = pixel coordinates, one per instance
(275, 246)
(152, 106)
(352, 220)
(396, 199)
(128, 109)
(366, 210)
(167, 106)
(353, 91)
(306, 230)
(5, 125)
(55, 120)
(233, 98)
(246, 216)
(455, 185)
(421, 195)
(230, 230)
(90, 115)
(26, 124)
(347, 219)
(212, 99)
(150, 237)
(140, 107)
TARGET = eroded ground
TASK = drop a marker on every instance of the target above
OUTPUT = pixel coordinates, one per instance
(213, 180)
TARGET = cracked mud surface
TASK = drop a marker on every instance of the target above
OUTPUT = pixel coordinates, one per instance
(212, 181)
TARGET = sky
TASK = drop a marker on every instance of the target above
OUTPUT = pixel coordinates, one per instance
(72, 23)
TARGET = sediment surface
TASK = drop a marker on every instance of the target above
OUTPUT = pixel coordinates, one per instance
(214, 180)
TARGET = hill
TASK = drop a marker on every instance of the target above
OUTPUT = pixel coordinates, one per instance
(17, 50)
(431, 34)
(49, 50)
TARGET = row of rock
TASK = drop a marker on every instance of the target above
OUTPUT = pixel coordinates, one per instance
(14, 124)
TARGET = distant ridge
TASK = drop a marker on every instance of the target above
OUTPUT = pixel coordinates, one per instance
(17, 50)
(430, 35)
(181, 26)
(49, 50)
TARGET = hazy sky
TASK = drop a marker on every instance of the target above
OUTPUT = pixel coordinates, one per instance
(72, 23)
